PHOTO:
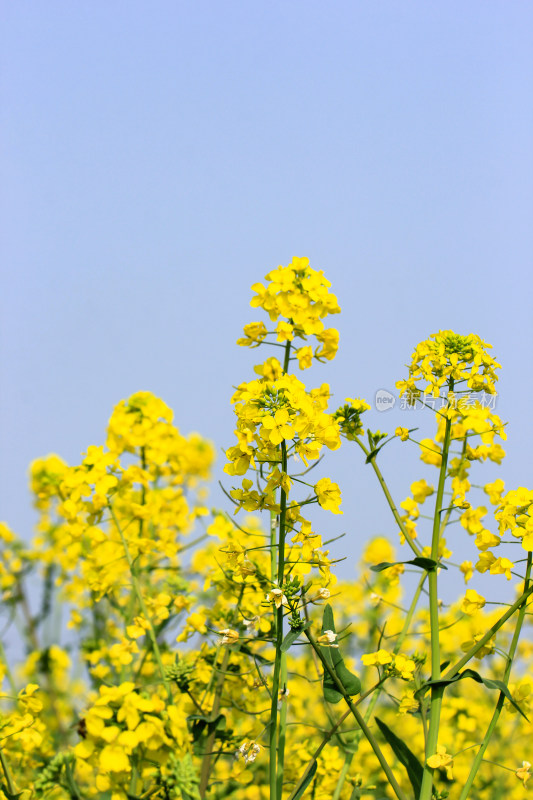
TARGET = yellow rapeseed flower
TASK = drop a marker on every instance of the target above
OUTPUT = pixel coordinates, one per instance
(329, 495)
(441, 760)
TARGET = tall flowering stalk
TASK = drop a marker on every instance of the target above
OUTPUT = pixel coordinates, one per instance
(279, 421)
(457, 364)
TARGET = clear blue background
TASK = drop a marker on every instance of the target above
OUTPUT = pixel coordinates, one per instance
(159, 158)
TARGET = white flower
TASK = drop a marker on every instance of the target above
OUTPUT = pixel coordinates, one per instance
(252, 753)
(276, 596)
(249, 751)
(322, 594)
(327, 639)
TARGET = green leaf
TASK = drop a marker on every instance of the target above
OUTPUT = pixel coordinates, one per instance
(202, 724)
(328, 623)
(490, 683)
(307, 780)
(10, 795)
(404, 755)
(383, 565)
(292, 636)
(349, 681)
(424, 563)
(373, 453)
(331, 693)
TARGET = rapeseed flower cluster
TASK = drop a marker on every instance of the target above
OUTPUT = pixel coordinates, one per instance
(449, 356)
(128, 737)
(297, 298)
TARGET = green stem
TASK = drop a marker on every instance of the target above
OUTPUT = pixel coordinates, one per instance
(408, 538)
(206, 762)
(436, 691)
(499, 705)
(348, 758)
(134, 776)
(282, 726)
(395, 786)
(273, 551)
(273, 731)
(282, 521)
(9, 780)
(72, 784)
(287, 357)
(356, 793)
(277, 737)
(137, 589)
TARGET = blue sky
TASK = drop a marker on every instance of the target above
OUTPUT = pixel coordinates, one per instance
(159, 158)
